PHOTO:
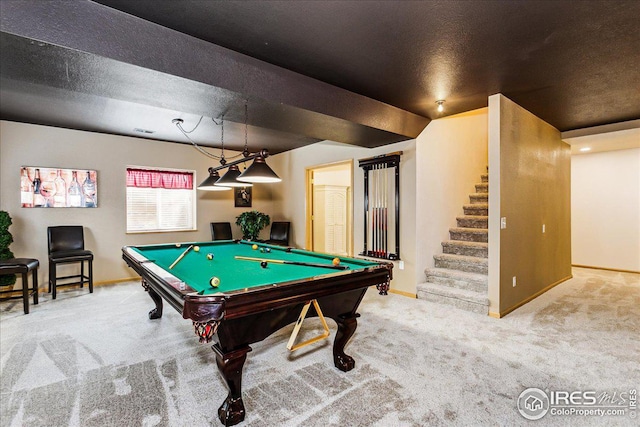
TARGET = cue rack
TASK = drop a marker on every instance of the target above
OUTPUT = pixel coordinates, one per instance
(382, 206)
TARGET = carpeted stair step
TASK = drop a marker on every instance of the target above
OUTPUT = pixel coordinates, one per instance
(483, 187)
(459, 298)
(462, 247)
(484, 177)
(458, 279)
(477, 198)
(476, 209)
(469, 234)
(469, 264)
(473, 221)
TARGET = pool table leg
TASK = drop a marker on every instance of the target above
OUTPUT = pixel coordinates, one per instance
(156, 313)
(230, 364)
(346, 327)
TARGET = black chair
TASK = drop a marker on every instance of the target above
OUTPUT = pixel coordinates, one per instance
(221, 231)
(279, 234)
(66, 246)
(22, 266)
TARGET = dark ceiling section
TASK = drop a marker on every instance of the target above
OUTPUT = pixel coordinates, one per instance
(363, 73)
(147, 69)
(574, 64)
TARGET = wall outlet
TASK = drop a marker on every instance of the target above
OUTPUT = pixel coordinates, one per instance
(514, 281)
(401, 265)
(543, 228)
(503, 222)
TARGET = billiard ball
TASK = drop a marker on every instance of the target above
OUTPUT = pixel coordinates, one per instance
(178, 245)
(196, 248)
(209, 256)
(267, 250)
(262, 250)
(263, 264)
(336, 261)
(214, 282)
(254, 247)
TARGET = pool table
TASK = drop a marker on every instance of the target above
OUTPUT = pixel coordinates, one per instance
(252, 299)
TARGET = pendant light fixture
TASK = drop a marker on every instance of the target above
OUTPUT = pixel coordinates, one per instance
(259, 171)
(230, 179)
(209, 183)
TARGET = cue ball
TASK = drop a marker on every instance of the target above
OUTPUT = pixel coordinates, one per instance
(254, 247)
(178, 245)
(196, 248)
(336, 261)
(209, 256)
(263, 264)
(214, 282)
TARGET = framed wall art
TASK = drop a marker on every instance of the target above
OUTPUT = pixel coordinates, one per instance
(43, 187)
(242, 197)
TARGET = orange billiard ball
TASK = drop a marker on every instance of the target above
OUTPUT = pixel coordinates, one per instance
(336, 261)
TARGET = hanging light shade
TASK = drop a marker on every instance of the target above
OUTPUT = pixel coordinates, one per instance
(229, 179)
(209, 183)
(259, 171)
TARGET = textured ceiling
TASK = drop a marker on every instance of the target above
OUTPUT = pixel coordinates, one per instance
(364, 73)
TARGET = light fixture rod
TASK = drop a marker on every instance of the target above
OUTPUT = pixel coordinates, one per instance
(263, 153)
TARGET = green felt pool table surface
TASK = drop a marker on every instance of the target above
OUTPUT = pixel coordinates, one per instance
(196, 271)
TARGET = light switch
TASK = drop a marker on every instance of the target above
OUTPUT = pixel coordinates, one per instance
(503, 222)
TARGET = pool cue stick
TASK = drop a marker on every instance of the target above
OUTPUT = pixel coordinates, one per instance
(281, 261)
(386, 213)
(375, 210)
(181, 256)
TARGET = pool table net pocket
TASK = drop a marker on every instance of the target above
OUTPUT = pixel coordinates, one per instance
(206, 330)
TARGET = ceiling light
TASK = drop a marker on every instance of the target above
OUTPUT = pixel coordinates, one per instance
(230, 179)
(209, 183)
(584, 149)
(259, 171)
(440, 104)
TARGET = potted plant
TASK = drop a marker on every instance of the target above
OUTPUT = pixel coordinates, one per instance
(5, 253)
(251, 223)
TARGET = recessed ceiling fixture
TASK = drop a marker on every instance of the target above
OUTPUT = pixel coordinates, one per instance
(584, 149)
(440, 104)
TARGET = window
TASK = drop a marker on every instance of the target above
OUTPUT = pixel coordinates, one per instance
(160, 200)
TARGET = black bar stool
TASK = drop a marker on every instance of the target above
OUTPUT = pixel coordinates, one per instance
(66, 245)
(22, 266)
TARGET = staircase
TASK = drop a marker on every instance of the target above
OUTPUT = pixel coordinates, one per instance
(460, 275)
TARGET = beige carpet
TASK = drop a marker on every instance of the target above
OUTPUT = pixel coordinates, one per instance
(96, 360)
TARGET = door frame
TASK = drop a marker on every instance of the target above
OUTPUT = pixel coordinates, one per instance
(309, 203)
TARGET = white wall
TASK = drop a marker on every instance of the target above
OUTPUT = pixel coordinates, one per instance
(289, 196)
(105, 227)
(605, 199)
(451, 154)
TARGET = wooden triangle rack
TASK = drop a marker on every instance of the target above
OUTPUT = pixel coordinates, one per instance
(296, 329)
